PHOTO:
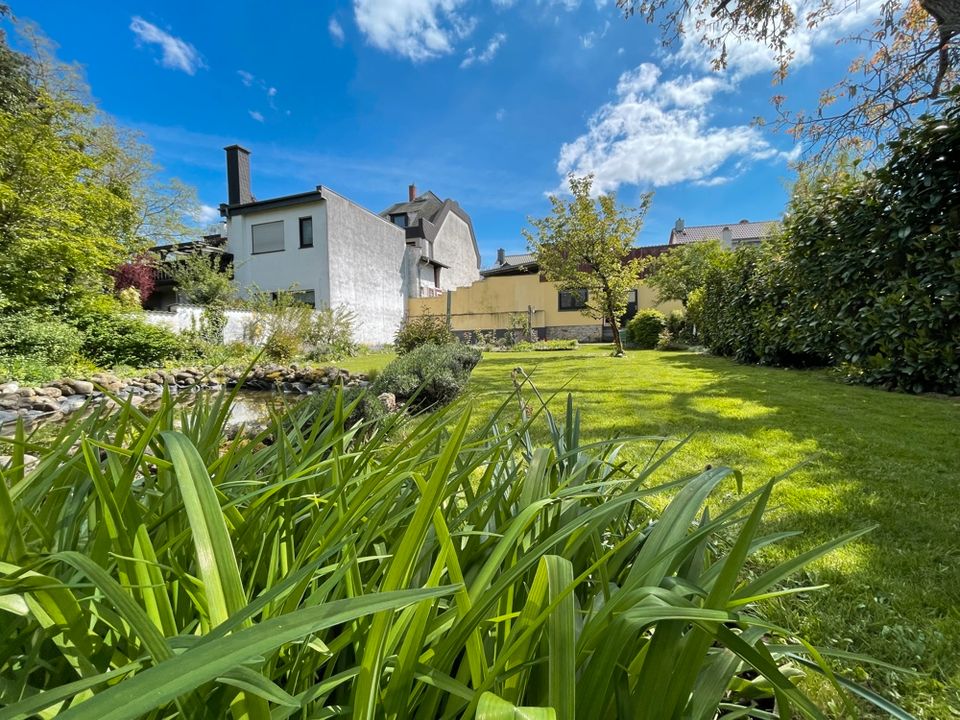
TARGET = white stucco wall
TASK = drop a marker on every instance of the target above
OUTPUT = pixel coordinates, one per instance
(307, 268)
(367, 268)
(453, 246)
(182, 318)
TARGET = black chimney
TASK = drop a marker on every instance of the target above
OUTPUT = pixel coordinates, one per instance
(501, 257)
(238, 175)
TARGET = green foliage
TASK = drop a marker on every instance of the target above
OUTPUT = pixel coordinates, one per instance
(457, 574)
(544, 346)
(584, 243)
(38, 336)
(429, 375)
(866, 273)
(333, 334)
(200, 279)
(280, 324)
(645, 327)
(677, 273)
(422, 330)
(78, 195)
(127, 339)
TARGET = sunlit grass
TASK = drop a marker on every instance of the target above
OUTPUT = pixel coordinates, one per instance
(880, 458)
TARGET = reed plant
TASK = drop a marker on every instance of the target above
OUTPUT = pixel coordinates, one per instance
(443, 567)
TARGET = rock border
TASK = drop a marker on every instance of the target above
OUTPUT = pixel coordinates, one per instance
(56, 399)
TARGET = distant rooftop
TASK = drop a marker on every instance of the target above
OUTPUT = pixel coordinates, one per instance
(740, 232)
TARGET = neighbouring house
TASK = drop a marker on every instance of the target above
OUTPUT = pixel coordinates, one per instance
(165, 295)
(513, 297)
(335, 252)
(730, 236)
(442, 235)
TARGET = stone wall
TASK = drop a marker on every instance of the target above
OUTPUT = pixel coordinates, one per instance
(583, 333)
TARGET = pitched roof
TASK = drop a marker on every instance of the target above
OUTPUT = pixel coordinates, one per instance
(426, 206)
(742, 231)
(513, 265)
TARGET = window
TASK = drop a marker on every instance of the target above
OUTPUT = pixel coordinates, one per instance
(306, 232)
(307, 297)
(267, 237)
(572, 299)
(399, 220)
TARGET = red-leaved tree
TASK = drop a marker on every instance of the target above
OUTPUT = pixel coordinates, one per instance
(138, 272)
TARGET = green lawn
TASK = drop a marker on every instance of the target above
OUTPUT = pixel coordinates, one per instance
(365, 363)
(878, 458)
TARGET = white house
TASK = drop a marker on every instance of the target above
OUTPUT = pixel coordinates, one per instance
(336, 252)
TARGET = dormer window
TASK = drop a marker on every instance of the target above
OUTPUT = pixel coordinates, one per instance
(400, 219)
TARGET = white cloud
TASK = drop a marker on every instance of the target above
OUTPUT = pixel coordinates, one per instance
(746, 57)
(501, 114)
(177, 54)
(590, 39)
(246, 78)
(488, 53)
(206, 214)
(418, 30)
(336, 31)
(258, 116)
(271, 92)
(660, 133)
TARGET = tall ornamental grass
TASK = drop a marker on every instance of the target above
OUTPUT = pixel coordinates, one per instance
(436, 569)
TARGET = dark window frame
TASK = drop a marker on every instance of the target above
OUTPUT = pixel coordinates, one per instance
(300, 228)
(300, 297)
(283, 238)
(572, 293)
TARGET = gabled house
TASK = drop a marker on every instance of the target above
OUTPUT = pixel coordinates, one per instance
(730, 236)
(336, 252)
(441, 233)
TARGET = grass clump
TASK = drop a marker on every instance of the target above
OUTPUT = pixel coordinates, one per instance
(152, 570)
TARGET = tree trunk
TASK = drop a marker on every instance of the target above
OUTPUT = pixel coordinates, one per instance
(617, 342)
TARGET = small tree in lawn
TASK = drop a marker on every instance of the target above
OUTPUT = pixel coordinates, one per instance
(584, 243)
(676, 274)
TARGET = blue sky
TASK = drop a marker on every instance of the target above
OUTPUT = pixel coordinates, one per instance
(490, 102)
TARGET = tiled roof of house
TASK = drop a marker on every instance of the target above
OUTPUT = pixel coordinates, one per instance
(742, 231)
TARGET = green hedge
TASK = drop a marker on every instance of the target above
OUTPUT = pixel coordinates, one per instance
(865, 274)
(38, 337)
(128, 340)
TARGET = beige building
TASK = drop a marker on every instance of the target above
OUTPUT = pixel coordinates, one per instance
(513, 296)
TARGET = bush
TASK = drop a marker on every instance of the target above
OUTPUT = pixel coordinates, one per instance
(280, 325)
(436, 374)
(332, 336)
(422, 330)
(129, 340)
(645, 327)
(37, 337)
(440, 568)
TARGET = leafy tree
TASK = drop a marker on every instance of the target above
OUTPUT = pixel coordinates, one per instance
(584, 243)
(138, 273)
(200, 278)
(677, 273)
(912, 59)
(78, 196)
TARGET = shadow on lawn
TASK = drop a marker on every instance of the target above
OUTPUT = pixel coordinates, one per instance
(883, 459)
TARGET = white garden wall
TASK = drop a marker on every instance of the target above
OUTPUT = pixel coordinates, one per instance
(187, 317)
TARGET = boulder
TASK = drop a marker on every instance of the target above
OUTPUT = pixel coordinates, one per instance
(50, 392)
(26, 392)
(9, 387)
(389, 401)
(45, 404)
(81, 387)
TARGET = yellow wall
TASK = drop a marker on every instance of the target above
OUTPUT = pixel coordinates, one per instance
(488, 304)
